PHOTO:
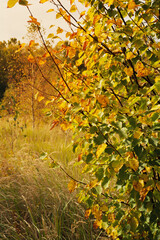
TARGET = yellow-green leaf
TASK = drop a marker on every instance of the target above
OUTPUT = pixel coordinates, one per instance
(50, 35)
(134, 224)
(97, 29)
(134, 164)
(11, 3)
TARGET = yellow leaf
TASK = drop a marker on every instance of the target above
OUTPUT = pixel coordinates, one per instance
(73, 9)
(87, 213)
(71, 53)
(157, 79)
(144, 191)
(111, 217)
(21, 46)
(117, 165)
(100, 149)
(137, 134)
(128, 71)
(96, 18)
(93, 183)
(79, 157)
(108, 64)
(46, 55)
(131, 5)
(141, 70)
(59, 30)
(47, 102)
(87, 4)
(134, 164)
(51, 35)
(110, 22)
(119, 22)
(72, 1)
(34, 20)
(36, 95)
(66, 126)
(82, 14)
(72, 186)
(62, 12)
(41, 62)
(50, 10)
(104, 208)
(30, 58)
(54, 124)
(43, 1)
(51, 26)
(103, 100)
(40, 98)
(32, 42)
(138, 185)
(148, 169)
(97, 212)
(58, 15)
(97, 224)
(130, 55)
(110, 2)
(98, 29)
(11, 3)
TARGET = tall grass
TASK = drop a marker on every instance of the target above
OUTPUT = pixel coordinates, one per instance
(34, 200)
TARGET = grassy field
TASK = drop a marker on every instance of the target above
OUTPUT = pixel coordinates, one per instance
(34, 200)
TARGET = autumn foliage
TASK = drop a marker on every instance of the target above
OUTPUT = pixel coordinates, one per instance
(107, 92)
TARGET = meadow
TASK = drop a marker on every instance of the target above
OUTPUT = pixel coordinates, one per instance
(35, 202)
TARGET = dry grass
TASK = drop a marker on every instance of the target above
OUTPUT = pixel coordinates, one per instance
(34, 200)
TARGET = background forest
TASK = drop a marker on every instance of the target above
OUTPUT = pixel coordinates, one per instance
(80, 124)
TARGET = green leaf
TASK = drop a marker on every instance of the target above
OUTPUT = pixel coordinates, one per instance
(105, 182)
(156, 194)
(93, 129)
(99, 140)
(109, 150)
(99, 174)
(11, 3)
(89, 157)
(23, 2)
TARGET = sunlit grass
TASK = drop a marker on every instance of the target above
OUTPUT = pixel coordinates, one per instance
(34, 200)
